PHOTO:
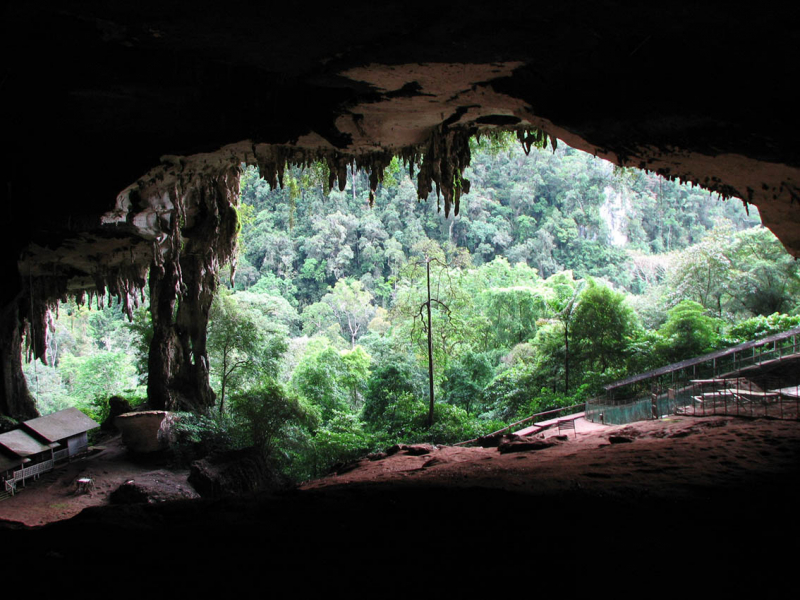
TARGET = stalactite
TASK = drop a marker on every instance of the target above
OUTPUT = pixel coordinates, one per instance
(182, 218)
(204, 240)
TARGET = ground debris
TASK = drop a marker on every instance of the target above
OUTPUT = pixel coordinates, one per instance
(526, 445)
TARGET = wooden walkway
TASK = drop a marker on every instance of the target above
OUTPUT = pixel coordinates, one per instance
(581, 425)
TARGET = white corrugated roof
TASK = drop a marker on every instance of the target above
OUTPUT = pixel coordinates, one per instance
(62, 424)
(22, 444)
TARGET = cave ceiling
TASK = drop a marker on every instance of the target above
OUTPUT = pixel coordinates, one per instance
(113, 110)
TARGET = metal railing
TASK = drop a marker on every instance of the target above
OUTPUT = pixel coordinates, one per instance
(564, 410)
(34, 471)
(671, 388)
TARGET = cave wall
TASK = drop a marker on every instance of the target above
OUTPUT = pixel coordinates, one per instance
(125, 126)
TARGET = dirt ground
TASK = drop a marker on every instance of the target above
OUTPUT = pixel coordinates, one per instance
(670, 458)
(615, 504)
(649, 458)
(55, 496)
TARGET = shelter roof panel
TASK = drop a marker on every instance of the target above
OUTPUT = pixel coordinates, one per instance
(22, 444)
(62, 424)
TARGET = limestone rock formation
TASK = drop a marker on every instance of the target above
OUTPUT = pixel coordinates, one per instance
(124, 129)
(234, 473)
(143, 432)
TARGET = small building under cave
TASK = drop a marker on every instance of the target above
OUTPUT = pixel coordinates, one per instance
(68, 428)
(35, 447)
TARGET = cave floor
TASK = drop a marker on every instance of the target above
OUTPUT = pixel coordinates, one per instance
(707, 492)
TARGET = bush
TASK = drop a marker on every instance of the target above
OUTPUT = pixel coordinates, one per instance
(7, 424)
(196, 436)
(340, 441)
(508, 394)
(265, 413)
(390, 389)
(688, 332)
(451, 424)
(759, 327)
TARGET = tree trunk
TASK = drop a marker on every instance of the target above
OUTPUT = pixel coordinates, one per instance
(430, 344)
(15, 399)
(178, 361)
(566, 360)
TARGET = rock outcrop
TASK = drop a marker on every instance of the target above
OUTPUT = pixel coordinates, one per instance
(235, 473)
(143, 432)
(126, 130)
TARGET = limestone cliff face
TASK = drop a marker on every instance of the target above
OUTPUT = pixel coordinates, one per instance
(124, 129)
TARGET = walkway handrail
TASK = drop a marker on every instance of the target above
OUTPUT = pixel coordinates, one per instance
(709, 357)
(34, 470)
(525, 420)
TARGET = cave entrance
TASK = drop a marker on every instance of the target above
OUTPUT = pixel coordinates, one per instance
(307, 251)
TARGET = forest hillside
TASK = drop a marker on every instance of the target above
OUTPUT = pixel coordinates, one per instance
(560, 273)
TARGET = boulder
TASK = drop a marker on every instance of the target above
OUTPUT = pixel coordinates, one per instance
(526, 445)
(117, 406)
(418, 449)
(129, 493)
(143, 432)
(234, 473)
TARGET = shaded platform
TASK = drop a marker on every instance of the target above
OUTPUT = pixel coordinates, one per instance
(550, 426)
(742, 380)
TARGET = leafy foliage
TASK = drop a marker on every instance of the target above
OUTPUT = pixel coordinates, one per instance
(561, 273)
(265, 412)
(688, 332)
(604, 325)
(240, 348)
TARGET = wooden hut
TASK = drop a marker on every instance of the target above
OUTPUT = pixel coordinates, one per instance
(32, 456)
(68, 428)
(9, 463)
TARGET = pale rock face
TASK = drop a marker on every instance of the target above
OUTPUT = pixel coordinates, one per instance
(614, 213)
(142, 432)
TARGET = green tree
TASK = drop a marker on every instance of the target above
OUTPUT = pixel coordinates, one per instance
(265, 411)
(562, 304)
(388, 384)
(759, 327)
(513, 313)
(705, 272)
(332, 380)
(688, 332)
(465, 379)
(770, 277)
(239, 347)
(98, 375)
(352, 306)
(603, 325)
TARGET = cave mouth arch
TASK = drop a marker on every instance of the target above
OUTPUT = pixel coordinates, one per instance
(185, 212)
(141, 101)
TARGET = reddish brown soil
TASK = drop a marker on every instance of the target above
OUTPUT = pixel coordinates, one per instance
(670, 458)
(682, 492)
(55, 496)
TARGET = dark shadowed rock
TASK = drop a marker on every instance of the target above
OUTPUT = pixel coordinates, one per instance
(620, 439)
(234, 473)
(525, 445)
(129, 493)
(418, 449)
(342, 468)
(117, 405)
(489, 441)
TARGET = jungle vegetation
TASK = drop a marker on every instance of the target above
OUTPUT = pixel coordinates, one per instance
(560, 274)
